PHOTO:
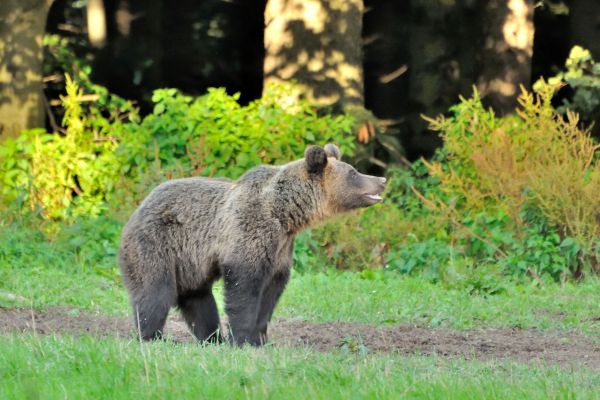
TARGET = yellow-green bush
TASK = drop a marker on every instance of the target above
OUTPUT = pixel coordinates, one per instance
(514, 196)
(533, 160)
(65, 173)
(582, 75)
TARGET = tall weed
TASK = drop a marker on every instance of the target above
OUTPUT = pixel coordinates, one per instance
(533, 160)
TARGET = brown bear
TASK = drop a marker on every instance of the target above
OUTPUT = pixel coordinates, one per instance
(190, 232)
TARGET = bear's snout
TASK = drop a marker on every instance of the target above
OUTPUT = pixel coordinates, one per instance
(379, 182)
(374, 185)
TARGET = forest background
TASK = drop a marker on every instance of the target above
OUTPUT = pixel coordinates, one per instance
(481, 113)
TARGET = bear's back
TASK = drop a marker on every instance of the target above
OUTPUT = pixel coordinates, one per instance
(180, 201)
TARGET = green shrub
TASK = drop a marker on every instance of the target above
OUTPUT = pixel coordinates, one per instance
(533, 160)
(515, 196)
(214, 134)
(66, 173)
(429, 256)
(83, 168)
(582, 74)
(501, 198)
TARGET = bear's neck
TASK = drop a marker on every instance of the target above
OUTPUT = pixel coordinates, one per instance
(297, 207)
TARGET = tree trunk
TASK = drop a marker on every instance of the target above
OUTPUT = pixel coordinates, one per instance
(386, 57)
(318, 44)
(134, 36)
(585, 25)
(22, 26)
(506, 56)
(442, 49)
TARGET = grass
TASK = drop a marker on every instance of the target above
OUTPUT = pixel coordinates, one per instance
(79, 271)
(41, 273)
(403, 299)
(38, 273)
(348, 297)
(85, 367)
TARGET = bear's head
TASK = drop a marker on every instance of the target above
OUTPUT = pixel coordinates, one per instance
(344, 188)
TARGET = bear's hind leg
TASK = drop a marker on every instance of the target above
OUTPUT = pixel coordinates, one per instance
(150, 311)
(200, 313)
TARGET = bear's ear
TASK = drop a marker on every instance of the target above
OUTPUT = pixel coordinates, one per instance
(332, 151)
(315, 158)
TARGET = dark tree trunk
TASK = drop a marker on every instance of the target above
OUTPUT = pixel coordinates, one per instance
(585, 25)
(506, 56)
(22, 26)
(318, 44)
(443, 49)
(386, 57)
(131, 62)
(188, 44)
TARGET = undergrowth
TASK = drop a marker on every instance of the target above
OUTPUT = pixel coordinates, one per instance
(504, 198)
(104, 150)
(515, 196)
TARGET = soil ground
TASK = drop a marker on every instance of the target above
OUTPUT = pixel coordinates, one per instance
(568, 349)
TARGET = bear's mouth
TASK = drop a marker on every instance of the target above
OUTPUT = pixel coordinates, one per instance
(376, 198)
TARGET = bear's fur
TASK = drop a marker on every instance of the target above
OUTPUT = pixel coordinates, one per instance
(189, 232)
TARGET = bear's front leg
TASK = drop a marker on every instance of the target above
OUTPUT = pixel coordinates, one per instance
(243, 288)
(269, 298)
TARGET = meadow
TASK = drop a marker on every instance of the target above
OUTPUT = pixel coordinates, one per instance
(39, 359)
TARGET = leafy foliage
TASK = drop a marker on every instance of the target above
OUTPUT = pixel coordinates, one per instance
(512, 196)
(85, 166)
(582, 75)
(75, 167)
(536, 168)
(214, 134)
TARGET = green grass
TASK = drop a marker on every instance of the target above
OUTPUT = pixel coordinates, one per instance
(38, 273)
(341, 297)
(401, 299)
(88, 368)
(78, 270)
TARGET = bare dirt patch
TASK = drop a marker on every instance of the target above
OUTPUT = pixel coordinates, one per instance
(569, 349)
